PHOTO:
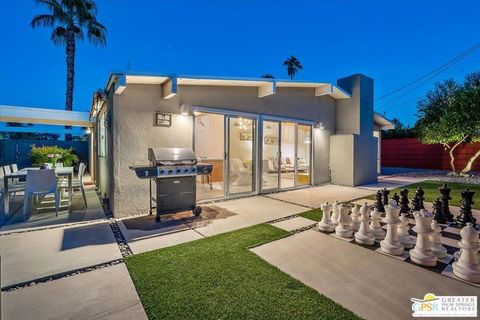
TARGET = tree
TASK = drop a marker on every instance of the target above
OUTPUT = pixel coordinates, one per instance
(449, 115)
(268, 76)
(400, 131)
(69, 20)
(293, 65)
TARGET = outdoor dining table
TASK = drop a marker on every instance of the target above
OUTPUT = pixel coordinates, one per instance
(60, 172)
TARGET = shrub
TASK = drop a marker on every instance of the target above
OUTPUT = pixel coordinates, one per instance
(39, 155)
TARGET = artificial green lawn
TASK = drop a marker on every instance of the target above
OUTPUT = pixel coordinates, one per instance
(315, 214)
(431, 191)
(219, 278)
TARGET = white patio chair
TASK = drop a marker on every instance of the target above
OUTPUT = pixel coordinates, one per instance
(77, 183)
(14, 185)
(40, 183)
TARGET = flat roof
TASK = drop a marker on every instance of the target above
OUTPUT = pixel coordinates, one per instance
(44, 116)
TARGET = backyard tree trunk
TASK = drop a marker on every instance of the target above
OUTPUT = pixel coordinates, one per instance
(70, 59)
(470, 162)
(450, 152)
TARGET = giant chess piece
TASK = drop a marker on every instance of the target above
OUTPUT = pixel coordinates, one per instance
(416, 203)
(420, 197)
(396, 198)
(343, 229)
(385, 194)
(326, 223)
(466, 214)
(468, 265)
(375, 226)
(391, 244)
(438, 212)
(379, 202)
(422, 252)
(355, 218)
(364, 235)
(437, 248)
(445, 196)
(404, 236)
(335, 213)
(404, 208)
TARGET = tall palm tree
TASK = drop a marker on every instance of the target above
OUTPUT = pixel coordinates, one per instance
(69, 20)
(293, 65)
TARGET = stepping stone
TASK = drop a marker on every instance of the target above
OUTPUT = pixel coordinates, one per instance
(294, 223)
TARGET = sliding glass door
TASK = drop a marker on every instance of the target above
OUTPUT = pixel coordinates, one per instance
(286, 156)
(240, 154)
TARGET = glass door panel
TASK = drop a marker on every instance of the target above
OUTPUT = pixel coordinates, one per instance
(241, 155)
(270, 159)
(304, 145)
(287, 159)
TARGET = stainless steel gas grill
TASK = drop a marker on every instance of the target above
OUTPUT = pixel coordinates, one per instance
(174, 171)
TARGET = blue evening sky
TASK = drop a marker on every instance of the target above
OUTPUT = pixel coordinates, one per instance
(392, 41)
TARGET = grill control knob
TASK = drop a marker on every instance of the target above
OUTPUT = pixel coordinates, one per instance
(185, 170)
(170, 171)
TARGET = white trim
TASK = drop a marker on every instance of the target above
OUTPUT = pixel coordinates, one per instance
(44, 116)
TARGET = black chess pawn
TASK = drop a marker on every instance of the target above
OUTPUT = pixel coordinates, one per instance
(385, 194)
(419, 193)
(378, 201)
(404, 202)
(437, 212)
(396, 198)
(466, 214)
(445, 196)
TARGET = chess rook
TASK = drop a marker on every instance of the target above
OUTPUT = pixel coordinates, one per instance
(422, 252)
(468, 265)
(364, 235)
(326, 223)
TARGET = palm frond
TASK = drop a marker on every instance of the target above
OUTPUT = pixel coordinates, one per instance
(43, 20)
(59, 36)
(96, 33)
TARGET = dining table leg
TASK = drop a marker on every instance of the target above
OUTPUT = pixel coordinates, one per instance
(70, 193)
(6, 202)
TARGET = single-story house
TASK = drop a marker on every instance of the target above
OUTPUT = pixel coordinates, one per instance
(260, 135)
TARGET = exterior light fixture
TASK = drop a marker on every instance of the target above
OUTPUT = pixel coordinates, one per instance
(184, 109)
(319, 125)
(88, 130)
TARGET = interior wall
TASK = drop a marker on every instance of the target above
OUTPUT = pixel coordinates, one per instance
(209, 136)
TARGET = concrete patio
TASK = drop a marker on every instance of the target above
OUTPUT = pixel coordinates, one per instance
(370, 284)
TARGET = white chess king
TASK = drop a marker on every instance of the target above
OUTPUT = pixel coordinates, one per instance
(391, 244)
(326, 224)
(422, 252)
(364, 235)
(468, 265)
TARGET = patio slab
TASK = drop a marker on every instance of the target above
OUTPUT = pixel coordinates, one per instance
(46, 217)
(372, 285)
(237, 214)
(106, 293)
(314, 197)
(293, 224)
(33, 255)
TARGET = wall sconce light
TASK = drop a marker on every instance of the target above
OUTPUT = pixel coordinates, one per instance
(319, 125)
(88, 130)
(185, 109)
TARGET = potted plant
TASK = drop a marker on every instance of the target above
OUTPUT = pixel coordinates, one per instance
(52, 155)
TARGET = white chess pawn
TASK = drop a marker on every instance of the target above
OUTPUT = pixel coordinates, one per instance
(326, 224)
(335, 213)
(391, 244)
(437, 248)
(364, 235)
(343, 229)
(468, 265)
(404, 237)
(422, 252)
(375, 225)
(355, 218)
